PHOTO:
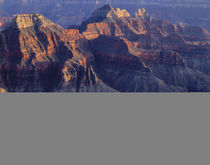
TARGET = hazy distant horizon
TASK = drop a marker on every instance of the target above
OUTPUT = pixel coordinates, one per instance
(73, 12)
(106, 1)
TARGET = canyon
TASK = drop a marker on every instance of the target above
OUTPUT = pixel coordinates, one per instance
(111, 51)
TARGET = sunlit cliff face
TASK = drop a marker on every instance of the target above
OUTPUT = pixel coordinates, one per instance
(29, 20)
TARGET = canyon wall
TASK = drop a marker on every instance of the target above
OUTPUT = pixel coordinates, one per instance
(111, 51)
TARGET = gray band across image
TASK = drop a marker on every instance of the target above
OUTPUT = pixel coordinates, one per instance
(104, 82)
(104, 46)
(101, 129)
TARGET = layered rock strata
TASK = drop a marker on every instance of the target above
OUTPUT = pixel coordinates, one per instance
(111, 51)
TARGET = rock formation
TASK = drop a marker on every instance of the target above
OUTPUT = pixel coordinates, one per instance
(160, 45)
(111, 51)
(4, 22)
(38, 55)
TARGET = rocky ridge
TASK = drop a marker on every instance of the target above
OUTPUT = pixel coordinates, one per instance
(31, 20)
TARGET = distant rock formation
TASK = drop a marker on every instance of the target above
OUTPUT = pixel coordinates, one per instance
(2, 90)
(4, 22)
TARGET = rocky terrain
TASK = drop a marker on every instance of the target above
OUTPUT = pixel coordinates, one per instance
(112, 51)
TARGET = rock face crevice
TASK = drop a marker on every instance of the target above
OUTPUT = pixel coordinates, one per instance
(111, 51)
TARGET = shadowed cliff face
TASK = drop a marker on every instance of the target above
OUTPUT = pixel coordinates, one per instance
(111, 51)
(10, 58)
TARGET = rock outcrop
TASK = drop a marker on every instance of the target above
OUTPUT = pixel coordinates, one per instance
(30, 20)
(40, 56)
